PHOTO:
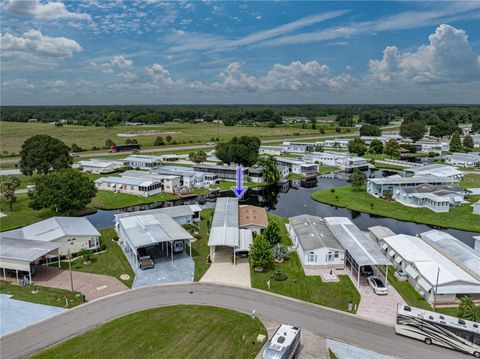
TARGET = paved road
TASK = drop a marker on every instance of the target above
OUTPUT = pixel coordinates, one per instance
(325, 322)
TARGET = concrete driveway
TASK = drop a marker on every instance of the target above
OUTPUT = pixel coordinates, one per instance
(92, 285)
(16, 314)
(222, 269)
(181, 269)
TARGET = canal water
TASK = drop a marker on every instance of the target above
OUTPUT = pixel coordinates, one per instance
(294, 198)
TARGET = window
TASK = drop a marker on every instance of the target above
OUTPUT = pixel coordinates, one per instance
(312, 257)
(336, 254)
(330, 257)
(92, 243)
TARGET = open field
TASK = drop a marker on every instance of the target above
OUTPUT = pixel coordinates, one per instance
(15, 133)
(186, 331)
(110, 262)
(460, 217)
(45, 295)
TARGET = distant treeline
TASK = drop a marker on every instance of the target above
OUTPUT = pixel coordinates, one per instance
(234, 114)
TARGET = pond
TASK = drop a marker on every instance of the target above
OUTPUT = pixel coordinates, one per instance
(293, 198)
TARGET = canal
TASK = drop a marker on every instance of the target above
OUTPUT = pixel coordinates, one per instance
(294, 198)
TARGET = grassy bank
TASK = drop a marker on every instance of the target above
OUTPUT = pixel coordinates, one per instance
(185, 331)
(307, 288)
(471, 180)
(459, 217)
(110, 262)
(111, 200)
(200, 248)
(23, 215)
(45, 295)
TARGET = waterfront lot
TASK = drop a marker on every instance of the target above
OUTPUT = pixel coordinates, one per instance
(186, 331)
(460, 217)
(15, 133)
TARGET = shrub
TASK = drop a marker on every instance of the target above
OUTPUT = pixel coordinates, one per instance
(279, 251)
(279, 276)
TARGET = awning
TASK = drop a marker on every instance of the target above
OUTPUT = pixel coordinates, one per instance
(398, 260)
(391, 253)
(384, 246)
(424, 284)
(411, 272)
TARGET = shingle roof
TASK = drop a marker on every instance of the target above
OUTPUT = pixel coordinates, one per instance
(252, 215)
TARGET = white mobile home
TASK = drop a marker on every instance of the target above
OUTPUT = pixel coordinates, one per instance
(316, 246)
(98, 167)
(380, 187)
(272, 150)
(70, 233)
(436, 198)
(341, 160)
(463, 159)
(142, 161)
(135, 186)
(299, 167)
(438, 170)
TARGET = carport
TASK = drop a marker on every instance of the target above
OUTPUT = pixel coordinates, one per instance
(152, 234)
(360, 251)
(19, 254)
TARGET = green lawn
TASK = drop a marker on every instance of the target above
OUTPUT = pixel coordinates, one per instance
(470, 180)
(111, 200)
(281, 221)
(45, 295)
(298, 285)
(23, 180)
(411, 296)
(459, 217)
(295, 176)
(23, 215)
(200, 248)
(310, 289)
(387, 166)
(110, 262)
(327, 169)
(227, 186)
(185, 331)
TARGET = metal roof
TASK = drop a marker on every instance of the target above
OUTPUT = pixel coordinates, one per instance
(146, 230)
(313, 233)
(381, 232)
(141, 182)
(418, 179)
(246, 240)
(98, 164)
(224, 230)
(147, 175)
(53, 228)
(358, 245)
(24, 249)
(435, 189)
(467, 257)
(173, 212)
(436, 170)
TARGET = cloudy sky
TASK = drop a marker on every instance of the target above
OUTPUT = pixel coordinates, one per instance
(157, 52)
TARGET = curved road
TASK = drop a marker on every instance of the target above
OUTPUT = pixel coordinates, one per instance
(317, 319)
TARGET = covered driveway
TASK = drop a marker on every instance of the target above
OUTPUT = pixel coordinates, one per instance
(222, 270)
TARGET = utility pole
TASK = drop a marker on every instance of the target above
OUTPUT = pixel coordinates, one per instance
(70, 268)
(436, 289)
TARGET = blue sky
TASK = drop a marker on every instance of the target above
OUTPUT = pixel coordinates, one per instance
(157, 52)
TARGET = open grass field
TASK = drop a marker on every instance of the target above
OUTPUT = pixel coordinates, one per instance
(185, 331)
(460, 217)
(45, 295)
(13, 134)
(110, 262)
(310, 289)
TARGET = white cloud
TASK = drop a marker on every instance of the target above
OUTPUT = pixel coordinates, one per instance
(447, 58)
(118, 62)
(34, 44)
(43, 11)
(18, 85)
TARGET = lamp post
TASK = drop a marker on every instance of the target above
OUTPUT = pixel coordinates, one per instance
(436, 289)
(69, 256)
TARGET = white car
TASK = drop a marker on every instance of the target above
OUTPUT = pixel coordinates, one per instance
(378, 285)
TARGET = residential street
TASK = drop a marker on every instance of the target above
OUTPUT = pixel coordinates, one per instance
(319, 320)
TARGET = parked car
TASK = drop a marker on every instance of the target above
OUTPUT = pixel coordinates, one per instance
(146, 262)
(73, 154)
(211, 143)
(377, 285)
(30, 185)
(177, 246)
(366, 271)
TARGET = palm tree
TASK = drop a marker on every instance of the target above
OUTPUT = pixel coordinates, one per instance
(468, 310)
(270, 170)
